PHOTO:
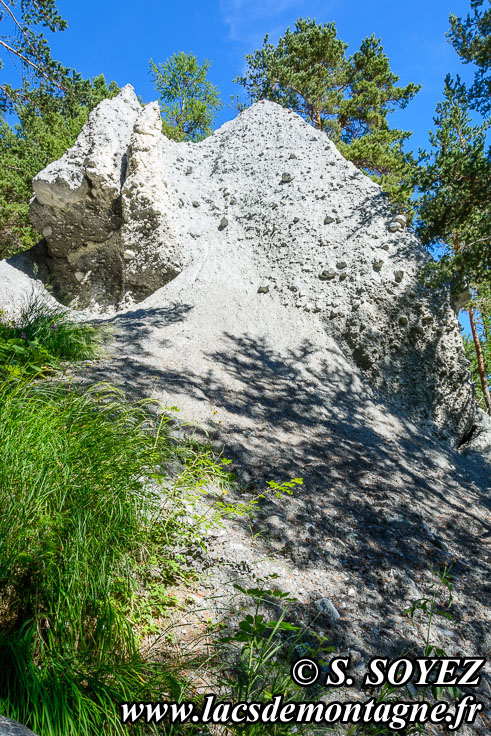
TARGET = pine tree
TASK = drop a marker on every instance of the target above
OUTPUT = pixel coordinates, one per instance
(471, 38)
(188, 100)
(455, 181)
(347, 97)
(480, 361)
(454, 214)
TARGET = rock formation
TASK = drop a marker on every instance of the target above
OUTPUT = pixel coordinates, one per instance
(12, 728)
(265, 287)
(126, 210)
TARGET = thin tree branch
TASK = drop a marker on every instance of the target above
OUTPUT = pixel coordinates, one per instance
(24, 59)
(10, 12)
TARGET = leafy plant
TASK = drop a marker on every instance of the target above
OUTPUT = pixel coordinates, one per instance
(264, 649)
(436, 603)
(433, 606)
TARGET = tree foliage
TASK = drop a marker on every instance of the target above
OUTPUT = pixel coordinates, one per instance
(471, 38)
(349, 97)
(455, 180)
(47, 125)
(22, 38)
(188, 99)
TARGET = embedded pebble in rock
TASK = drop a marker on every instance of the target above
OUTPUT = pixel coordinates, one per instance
(327, 275)
(328, 609)
(8, 727)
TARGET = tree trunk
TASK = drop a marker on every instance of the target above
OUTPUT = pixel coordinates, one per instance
(318, 121)
(485, 321)
(480, 362)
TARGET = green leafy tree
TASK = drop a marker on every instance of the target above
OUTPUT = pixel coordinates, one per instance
(348, 97)
(47, 125)
(188, 99)
(471, 38)
(22, 39)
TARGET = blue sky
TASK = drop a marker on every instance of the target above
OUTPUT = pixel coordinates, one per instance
(118, 39)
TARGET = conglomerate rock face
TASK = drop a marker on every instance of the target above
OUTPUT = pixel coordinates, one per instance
(266, 205)
(8, 727)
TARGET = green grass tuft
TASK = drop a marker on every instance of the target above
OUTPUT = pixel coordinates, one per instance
(42, 338)
(77, 501)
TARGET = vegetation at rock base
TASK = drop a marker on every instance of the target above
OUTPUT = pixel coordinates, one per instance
(73, 519)
(188, 100)
(348, 97)
(42, 338)
(88, 517)
(81, 499)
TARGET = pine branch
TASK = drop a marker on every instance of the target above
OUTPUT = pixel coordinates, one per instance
(23, 58)
(10, 12)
